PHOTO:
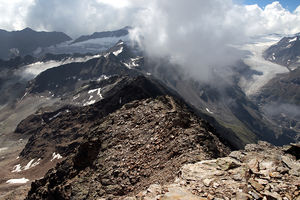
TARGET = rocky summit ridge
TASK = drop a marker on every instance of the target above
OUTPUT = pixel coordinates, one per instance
(144, 142)
(261, 171)
(156, 149)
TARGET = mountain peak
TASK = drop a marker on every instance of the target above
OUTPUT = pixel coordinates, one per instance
(105, 34)
(27, 29)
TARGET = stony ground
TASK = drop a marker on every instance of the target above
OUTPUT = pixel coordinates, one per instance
(144, 142)
(261, 171)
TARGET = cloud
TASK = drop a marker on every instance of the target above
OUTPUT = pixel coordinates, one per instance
(13, 13)
(86, 16)
(77, 17)
(196, 34)
(278, 108)
(273, 19)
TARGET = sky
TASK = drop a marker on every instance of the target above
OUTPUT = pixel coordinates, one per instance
(77, 17)
(291, 5)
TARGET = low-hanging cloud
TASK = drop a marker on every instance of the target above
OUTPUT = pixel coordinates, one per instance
(197, 34)
(13, 13)
(77, 17)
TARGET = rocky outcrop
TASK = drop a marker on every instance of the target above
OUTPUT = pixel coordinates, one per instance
(280, 101)
(285, 52)
(144, 142)
(105, 34)
(62, 130)
(66, 78)
(261, 171)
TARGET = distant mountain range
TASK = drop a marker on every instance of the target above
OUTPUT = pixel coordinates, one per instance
(105, 34)
(30, 42)
(24, 42)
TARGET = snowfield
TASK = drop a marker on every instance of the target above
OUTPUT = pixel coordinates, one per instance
(116, 53)
(89, 46)
(17, 181)
(29, 72)
(56, 156)
(258, 63)
(209, 111)
(30, 164)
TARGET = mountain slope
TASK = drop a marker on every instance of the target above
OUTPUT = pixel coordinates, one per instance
(280, 101)
(26, 41)
(143, 142)
(105, 34)
(224, 102)
(286, 52)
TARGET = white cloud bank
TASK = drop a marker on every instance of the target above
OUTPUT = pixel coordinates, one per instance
(182, 30)
(86, 16)
(13, 13)
(203, 31)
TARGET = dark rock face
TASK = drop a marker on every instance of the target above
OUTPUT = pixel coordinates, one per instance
(16, 62)
(143, 142)
(241, 120)
(11, 85)
(286, 52)
(283, 88)
(105, 34)
(280, 101)
(62, 79)
(68, 124)
(24, 42)
(293, 149)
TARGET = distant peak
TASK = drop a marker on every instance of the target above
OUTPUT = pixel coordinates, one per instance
(27, 29)
(127, 28)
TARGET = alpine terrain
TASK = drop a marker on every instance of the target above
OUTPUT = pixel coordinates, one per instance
(98, 118)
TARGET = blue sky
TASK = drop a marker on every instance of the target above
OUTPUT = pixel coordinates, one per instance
(289, 4)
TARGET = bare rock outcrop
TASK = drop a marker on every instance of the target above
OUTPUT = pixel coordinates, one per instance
(261, 171)
(144, 142)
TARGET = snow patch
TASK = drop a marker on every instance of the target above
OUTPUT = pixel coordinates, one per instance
(17, 168)
(35, 163)
(89, 103)
(31, 164)
(76, 97)
(257, 62)
(103, 77)
(29, 72)
(17, 181)
(104, 42)
(51, 118)
(116, 53)
(293, 40)
(273, 56)
(209, 111)
(98, 90)
(24, 95)
(132, 63)
(56, 156)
